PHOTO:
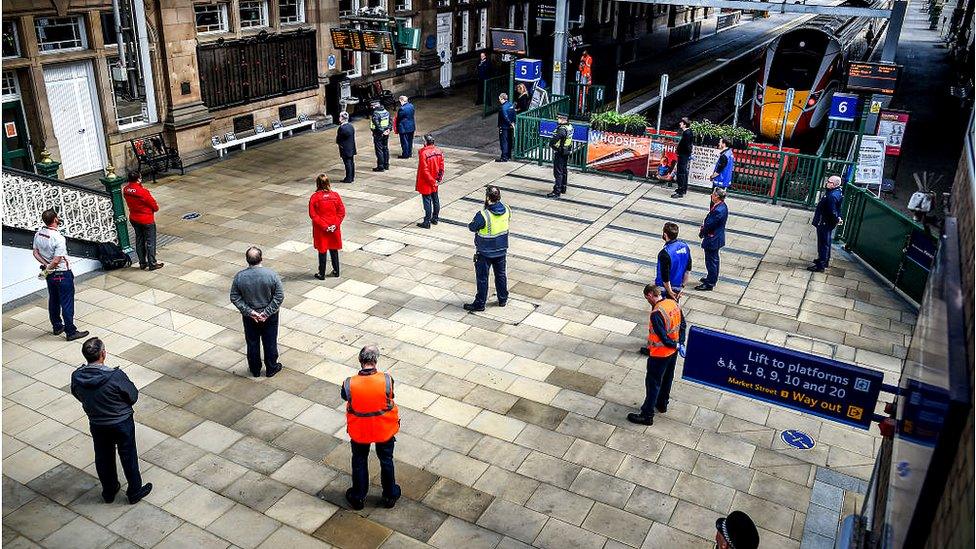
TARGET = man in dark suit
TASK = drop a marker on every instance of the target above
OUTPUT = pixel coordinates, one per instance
(826, 219)
(712, 234)
(346, 139)
(506, 127)
(405, 126)
(484, 73)
(685, 148)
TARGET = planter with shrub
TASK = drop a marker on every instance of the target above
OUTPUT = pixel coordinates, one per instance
(611, 121)
(707, 133)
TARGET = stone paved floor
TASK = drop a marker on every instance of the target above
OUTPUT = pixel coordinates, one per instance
(513, 427)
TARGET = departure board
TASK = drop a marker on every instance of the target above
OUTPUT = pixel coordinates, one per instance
(508, 41)
(346, 39)
(873, 77)
(378, 41)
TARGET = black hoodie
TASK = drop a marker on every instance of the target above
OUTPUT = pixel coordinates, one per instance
(105, 393)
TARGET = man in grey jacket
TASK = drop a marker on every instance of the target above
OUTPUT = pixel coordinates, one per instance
(107, 396)
(257, 292)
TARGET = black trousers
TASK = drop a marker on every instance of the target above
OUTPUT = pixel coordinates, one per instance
(145, 243)
(482, 265)
(560, 172)
(681, 173)
(258, 334)
(349, 163)
(657, 383)
(108, 439)
(334, 254)
(381, 145)
(360, 469)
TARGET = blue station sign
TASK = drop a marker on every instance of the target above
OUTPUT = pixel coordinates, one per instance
(844, 107)
(792, 379)
(581, 133)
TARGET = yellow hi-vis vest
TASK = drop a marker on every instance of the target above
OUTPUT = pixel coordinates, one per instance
(567, 142)
(381, 117)
(495, 224)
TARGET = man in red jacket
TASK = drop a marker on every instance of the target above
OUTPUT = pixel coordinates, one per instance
(142, 210)
(430, 173)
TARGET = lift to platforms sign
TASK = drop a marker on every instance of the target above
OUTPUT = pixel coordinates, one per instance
(801, 381)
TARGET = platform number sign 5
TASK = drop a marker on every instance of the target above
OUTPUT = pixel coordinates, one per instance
(844, 107)
(528, 70)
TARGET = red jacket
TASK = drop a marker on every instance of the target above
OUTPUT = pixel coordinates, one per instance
(430, 172)
(326, 209)
(142, 205)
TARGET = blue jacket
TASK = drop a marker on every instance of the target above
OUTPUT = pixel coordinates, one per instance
(405, 123)
(506, 115)
(724, 167)
(489, 247)
(828, 209)
(712, 230)
(678, 261)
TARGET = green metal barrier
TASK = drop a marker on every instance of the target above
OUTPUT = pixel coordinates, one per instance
(585, 99)
(879, 235)
(494, 86)
(837, 144)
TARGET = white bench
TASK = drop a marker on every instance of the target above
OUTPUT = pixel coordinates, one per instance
(221, 148)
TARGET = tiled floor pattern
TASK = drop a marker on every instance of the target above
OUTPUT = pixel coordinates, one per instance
(513, 429)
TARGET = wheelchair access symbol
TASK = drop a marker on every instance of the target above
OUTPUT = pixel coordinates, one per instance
(798, 439)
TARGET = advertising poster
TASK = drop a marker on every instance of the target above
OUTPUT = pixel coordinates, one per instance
(870, 162)
(622, 153)
(891, 126)
(702, 166)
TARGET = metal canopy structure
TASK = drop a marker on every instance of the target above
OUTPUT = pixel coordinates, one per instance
(795, 6)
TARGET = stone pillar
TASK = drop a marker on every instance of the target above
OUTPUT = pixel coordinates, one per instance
(428, 60)
(113, 184)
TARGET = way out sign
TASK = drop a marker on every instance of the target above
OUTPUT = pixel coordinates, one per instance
(801, 381)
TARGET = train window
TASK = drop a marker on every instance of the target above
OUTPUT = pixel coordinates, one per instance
(797, 60)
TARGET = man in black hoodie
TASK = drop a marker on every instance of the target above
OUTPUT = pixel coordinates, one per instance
(107, 396)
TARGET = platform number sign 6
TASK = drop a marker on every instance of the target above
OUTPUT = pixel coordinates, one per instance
(844, 107)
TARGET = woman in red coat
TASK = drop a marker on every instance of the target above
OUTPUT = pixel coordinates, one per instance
(327, 211)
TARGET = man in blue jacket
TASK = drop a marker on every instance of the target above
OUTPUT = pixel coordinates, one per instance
(490, 228)
(722, 176)
(712, 234)
(405, 126)
(825, 219)
(107, 396)
(506, 127)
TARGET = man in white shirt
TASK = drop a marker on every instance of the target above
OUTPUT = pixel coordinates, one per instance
(51, 251)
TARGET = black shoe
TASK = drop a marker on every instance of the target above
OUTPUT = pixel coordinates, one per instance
(703, 279)
(703, 287)
(109, 497)
(334, 274)
(644, 351)
(387, 167)
(57, 331)
(501, 160)
(143, 492)
(143, 266)
(471, 307)
(403, 157)
(640, 420)
(255, 373)
(552, 195)
(356, 504)
(274, 370)
(320, 276)
(678, 195)
(662, 409)
(77, 335)
(389, 502)
(344, 181)
(815, 269)
(502, 303)
(423, 225)
(154, 266)
(377, 169)
(433, 222)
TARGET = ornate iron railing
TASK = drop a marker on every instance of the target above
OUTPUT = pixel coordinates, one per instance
(86, 214)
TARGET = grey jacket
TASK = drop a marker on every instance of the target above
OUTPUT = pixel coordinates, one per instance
(258, 289)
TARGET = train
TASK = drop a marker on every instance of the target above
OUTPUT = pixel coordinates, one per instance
(811, 59)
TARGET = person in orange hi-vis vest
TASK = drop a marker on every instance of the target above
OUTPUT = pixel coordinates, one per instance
(665, 332)
(371, 418)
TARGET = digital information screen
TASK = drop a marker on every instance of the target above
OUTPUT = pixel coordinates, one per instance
(346, 39)
(873, 77)
(508, 41)
(378, 41)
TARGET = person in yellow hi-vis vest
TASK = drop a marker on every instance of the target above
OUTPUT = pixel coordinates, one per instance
(379, 124)
(562, 146)
(664, 334)
(490, 228)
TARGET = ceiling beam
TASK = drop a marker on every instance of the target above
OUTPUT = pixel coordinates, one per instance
(777, 7)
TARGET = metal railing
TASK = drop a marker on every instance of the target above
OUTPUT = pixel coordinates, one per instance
(492, 87)
(585, 99)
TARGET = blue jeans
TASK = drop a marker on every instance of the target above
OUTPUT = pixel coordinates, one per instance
(406, 143)
(432, 207)
(505, 142)
(711, 266)
(823, 246)
(257, 334)
(481, 266)
(657, 383)
(61, 301)
(360, 470)
(107, 439)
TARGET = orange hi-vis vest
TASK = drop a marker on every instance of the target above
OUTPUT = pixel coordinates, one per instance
(371, 414)
(668, 308)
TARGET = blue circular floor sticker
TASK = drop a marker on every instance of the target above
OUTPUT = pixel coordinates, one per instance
(798, 439)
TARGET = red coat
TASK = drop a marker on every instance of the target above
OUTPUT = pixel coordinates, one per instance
(430, 172)
(326, 209)
(142, 205)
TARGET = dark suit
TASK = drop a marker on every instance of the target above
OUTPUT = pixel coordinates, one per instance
(825, 219)
(346, 139)
(685, 148)
(406, 128)
(712, 233)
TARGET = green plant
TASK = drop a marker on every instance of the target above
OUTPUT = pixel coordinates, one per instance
(612, 120)
(707, 129)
